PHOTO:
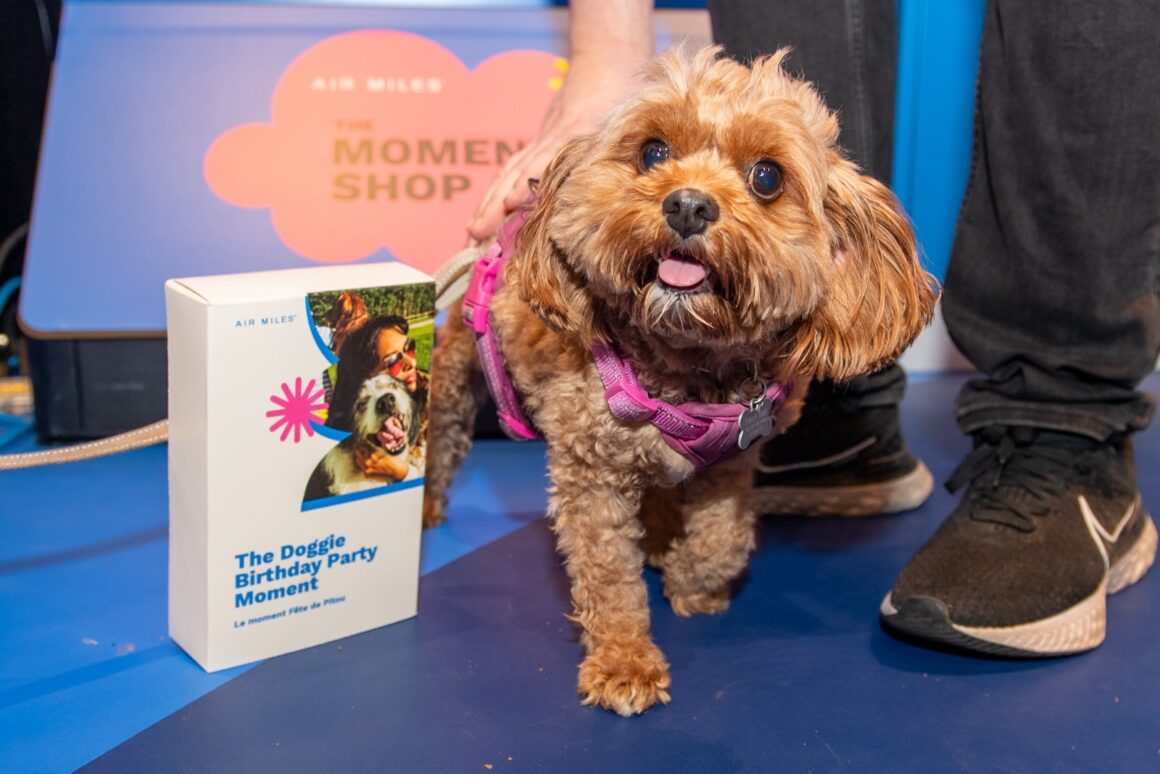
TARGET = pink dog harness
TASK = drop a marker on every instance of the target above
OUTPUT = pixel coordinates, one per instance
(486, 278)
(703, 433)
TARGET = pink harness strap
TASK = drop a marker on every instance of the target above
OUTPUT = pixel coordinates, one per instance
(703, 433)
(486, 279)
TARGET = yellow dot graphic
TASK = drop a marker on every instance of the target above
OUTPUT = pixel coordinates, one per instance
(556, 81)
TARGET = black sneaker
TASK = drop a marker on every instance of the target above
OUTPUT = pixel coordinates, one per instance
(840, 460)
(1051, 524)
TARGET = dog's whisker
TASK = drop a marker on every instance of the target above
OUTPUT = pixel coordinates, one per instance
(699, 318)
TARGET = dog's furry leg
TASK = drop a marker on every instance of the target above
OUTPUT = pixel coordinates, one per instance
(599, 534)
(457, 392)
(662, 513)
(719, 535)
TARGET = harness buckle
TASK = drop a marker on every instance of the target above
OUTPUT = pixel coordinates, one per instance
(484, 279)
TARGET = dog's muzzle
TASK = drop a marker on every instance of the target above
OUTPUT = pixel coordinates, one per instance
(392, 433)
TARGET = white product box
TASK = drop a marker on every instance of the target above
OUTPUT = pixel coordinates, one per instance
(295, 475)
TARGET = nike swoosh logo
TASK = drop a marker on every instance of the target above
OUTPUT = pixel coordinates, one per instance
(842, 456)
(1100, 536)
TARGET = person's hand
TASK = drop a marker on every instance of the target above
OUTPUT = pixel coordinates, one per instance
(609, 41)
(576, 111)
(376, 463)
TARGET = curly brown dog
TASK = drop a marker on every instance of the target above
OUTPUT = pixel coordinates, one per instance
(715, 236)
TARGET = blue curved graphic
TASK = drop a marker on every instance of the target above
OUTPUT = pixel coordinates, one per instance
(333, 433)
(322, 347)
(326, 502)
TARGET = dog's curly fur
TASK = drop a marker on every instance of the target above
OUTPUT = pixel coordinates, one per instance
(820, 280)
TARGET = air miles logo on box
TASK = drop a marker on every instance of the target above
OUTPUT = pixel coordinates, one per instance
(264, 321)
(382, 139)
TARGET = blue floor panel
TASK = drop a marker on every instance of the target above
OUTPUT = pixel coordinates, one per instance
(86, 661)
(796, 676)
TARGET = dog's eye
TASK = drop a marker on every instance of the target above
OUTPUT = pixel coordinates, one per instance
(765, 180)
(652, 153)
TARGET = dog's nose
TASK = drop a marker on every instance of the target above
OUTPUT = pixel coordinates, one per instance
(385, 404)
(689, 211)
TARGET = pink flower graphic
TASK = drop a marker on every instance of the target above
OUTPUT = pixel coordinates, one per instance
(297, 410)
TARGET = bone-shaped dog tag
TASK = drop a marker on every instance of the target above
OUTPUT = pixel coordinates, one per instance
(755, 422)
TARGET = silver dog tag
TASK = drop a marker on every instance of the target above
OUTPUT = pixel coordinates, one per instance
(755, 422)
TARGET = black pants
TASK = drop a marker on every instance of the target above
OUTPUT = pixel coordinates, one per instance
(1053, 289)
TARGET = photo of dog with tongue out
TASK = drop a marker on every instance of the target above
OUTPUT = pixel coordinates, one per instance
(375, 389)
(657, 313)
(386, 423)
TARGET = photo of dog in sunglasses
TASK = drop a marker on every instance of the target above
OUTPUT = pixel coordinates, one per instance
(377, 392)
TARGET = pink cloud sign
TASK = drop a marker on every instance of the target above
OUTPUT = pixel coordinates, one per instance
(382, 139)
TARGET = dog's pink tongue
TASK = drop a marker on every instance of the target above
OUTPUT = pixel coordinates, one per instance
(681, 272)
(392, 433)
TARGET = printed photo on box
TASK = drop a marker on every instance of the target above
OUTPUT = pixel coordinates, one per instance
(378, 341)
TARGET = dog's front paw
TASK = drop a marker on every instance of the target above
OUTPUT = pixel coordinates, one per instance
(625, 679)
(686, 605)
(434, 513)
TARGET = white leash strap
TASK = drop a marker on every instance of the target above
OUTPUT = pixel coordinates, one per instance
(450, 284)
(452, 278)
(132, 439)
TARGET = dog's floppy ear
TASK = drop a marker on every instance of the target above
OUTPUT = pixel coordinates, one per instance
(539, 268)
(880, 297)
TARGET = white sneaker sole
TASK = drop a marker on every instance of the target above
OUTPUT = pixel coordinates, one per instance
(900, 494)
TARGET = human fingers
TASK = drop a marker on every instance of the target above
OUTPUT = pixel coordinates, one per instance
(491, 211)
